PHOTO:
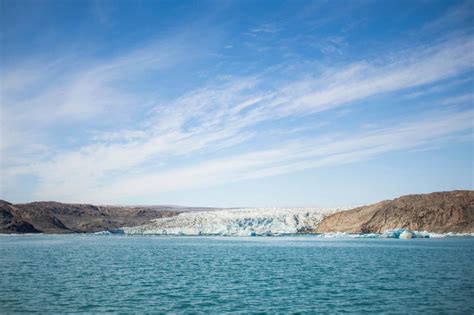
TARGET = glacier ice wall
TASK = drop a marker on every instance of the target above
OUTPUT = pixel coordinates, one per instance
(236, 222)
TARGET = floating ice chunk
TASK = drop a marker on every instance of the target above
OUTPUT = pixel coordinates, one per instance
(401, 233)
(406, 235)
(102, 233)
(395, 233)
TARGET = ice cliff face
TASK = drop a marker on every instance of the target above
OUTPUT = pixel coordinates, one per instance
(236, 222)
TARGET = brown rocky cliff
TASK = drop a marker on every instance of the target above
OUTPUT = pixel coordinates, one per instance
(11, 222)
(55, 217)
(438, 212)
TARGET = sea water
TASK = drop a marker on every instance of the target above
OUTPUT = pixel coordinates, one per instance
(301, 274)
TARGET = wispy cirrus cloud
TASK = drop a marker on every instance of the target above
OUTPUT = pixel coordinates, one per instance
(45, 93)
(285, 158)
(153, 155)
(80, 89)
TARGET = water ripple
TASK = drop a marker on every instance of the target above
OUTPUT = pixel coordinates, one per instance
(95, 274)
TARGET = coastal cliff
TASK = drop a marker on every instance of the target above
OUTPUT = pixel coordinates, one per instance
(438, 212)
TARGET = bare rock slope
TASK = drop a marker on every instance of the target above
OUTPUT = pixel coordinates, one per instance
(55, 217)
(438, 212)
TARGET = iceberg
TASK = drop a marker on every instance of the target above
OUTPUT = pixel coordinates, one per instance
(406, 235)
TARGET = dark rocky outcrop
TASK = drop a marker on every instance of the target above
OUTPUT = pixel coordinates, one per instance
(11, 223)
(438, 212)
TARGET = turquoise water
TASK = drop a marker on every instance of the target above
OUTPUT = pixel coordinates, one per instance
(80, 273)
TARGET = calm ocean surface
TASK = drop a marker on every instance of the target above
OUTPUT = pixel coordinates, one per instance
(81, 273)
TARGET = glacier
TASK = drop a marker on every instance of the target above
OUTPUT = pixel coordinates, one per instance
(235, 222)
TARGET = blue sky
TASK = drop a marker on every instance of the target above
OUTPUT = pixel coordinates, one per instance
(235, 103)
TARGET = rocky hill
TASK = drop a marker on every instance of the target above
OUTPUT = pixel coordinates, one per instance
(438, 212)
(55, 217)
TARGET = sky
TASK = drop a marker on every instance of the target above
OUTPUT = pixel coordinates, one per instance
(235, 103)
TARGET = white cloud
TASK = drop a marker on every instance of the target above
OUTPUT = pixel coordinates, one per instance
(139, 160)
(289, 157)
